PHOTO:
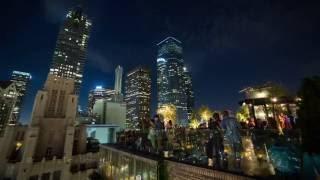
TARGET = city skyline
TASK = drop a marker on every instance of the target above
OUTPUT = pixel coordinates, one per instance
(208, 57)
(170, 89)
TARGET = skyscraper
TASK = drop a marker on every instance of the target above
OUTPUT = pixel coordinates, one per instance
(8, 98)
(137, 97)
(21, 80)
(71, 47)
(118, 80)
(171, 79)
(189, 91)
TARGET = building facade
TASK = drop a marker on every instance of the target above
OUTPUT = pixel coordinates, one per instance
(8, 98)
(99, 93)
(188, 88)
(51, 146)
(51, 131)
(110, 112)
(138, 97)
(71, 47)
(118, 80)
(171, 81)
(21, 80)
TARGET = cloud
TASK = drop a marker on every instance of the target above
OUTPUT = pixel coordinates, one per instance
(99, 61)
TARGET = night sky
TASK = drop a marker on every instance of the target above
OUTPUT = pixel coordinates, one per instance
(228, 45)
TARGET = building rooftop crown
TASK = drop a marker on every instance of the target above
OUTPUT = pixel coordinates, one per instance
(170, 38)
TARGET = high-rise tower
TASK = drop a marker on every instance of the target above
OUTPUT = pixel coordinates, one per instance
(188, 89)
(171, 79)
(118, 79)
(138, 97)
(8, 98)
(71, 47)
(21, 80)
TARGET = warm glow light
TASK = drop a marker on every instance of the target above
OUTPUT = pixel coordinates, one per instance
(18, 145)
(262, 94)
(206, 114)
(168, 112)
(195, 123)
(274, 99)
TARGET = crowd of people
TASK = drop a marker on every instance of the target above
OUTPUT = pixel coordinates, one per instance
(282, 122)
(157, 136)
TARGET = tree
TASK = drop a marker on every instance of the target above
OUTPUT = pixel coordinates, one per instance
(205, 113)
(168, 112)
(309, 114)
(195, 119)
(243, 113)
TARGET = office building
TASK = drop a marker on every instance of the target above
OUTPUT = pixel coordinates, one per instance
(171, 78)
(22, 81)
(8, 98)
(138, 97)
(188, 89)
(71, 47)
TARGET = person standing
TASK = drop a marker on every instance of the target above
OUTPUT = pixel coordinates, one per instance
(152, 134)
(159, 132)
(218, 148)
(231, 128)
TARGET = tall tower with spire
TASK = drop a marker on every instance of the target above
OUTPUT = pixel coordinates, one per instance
(71, 47)
(118, 79)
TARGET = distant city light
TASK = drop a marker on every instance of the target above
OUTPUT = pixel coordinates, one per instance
(161, 60)
(184, 68)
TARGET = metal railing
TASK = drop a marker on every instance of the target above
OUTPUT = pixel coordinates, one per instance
(259, 153)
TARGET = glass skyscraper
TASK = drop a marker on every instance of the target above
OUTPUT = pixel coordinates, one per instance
(71, 47)
(171, 78)
(21, 80)
(188, 88)
(138, 97)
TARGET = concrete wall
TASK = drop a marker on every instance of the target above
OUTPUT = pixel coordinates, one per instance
(116, 114)
(110, 112)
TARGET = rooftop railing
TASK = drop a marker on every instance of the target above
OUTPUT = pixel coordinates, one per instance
(259, 152)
